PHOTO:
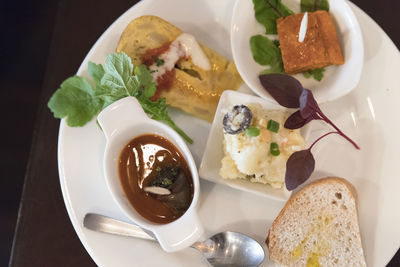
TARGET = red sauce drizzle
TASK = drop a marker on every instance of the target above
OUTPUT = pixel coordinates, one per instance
(165, 81)
(149, 58)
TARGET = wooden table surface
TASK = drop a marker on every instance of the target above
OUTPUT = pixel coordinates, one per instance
(45, 43)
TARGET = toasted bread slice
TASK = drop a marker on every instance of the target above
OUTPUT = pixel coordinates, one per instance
(318, 227)
(194, 89)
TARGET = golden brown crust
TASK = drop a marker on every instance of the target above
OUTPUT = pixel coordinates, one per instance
(320, 47)
(144, 33)
(194, 90)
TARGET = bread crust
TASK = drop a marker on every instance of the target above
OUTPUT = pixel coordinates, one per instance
(330, 181)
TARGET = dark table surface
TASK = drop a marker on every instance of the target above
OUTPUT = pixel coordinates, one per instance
(43, 42)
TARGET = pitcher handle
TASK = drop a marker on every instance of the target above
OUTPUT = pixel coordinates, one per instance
(119, 114)
(181, 233)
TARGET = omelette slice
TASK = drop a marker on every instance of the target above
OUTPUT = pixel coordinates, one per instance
(190, 88)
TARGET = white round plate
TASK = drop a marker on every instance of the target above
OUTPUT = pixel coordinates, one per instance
(337, 81)
(369, 114)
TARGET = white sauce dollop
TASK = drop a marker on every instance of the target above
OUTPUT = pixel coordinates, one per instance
(303, 27)
(185, 45)
(193, 49)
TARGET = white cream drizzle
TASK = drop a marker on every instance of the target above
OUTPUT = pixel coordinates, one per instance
(303, 27)
(185, 45)
(193, 49)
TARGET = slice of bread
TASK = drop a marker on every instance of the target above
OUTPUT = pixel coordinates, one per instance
(318, 227)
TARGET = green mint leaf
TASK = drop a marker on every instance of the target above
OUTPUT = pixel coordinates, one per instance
(118, 75)
(314, 5)
(268, 11)
(107, 97)
(116, 80)
(143, 75)
(150, 90)
(96, 71)
(266, 52)
(317, 74)
(145, 79)
(75, 101)
(158, 111)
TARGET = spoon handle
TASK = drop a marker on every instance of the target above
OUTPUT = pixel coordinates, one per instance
(101, 223)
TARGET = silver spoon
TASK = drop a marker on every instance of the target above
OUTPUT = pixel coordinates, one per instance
(222, 249)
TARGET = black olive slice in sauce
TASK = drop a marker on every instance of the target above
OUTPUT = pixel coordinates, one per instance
(237, 120)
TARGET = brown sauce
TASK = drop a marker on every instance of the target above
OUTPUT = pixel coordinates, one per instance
(153, 161)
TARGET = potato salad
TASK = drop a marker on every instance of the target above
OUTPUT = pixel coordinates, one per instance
(256, 145)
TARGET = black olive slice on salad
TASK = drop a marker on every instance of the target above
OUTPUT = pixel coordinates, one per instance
(237, 120)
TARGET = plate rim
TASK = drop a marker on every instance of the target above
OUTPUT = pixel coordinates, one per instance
(64, 188)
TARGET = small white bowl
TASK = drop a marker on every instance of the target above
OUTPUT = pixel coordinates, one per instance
(337, 81)
(213, 154)
(121, 122)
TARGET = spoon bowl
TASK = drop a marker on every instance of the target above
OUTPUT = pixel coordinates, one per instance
(231, 249)
(222, 249)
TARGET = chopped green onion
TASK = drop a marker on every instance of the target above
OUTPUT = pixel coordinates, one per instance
(252, 131)
(274, 149)
(273, 126)
(159, 62)
(158, 168)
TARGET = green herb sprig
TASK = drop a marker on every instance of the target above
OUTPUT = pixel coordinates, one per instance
(78, 102)
(268, 11)
(314, 5)
(266, 52)
(317, 74)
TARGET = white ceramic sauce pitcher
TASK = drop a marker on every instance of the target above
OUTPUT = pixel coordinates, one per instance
(121, 122)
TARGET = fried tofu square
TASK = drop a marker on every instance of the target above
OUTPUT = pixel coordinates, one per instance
(320, 47)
